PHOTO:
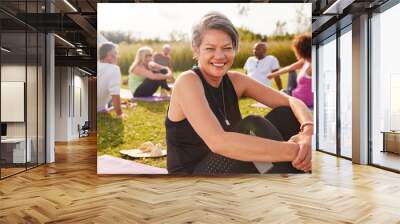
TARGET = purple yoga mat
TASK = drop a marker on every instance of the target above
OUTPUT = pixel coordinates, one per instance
(152, 98)
(112, 165)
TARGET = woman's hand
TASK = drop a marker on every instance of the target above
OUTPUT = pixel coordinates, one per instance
(169, 75)
(303, 158)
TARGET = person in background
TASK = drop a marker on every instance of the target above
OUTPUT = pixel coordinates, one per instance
(145, 76)
(108, 79)
(302, 49)
(261, 64)
(164, 58)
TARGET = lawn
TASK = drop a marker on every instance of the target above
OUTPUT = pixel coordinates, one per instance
(145, 122)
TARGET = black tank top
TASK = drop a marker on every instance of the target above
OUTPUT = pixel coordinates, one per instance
(184, 145)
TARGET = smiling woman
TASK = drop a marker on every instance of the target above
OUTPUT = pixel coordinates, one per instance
(205, 131)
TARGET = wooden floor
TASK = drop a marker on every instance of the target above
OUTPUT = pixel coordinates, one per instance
(10, 171)
(388, 159)
(69, 191)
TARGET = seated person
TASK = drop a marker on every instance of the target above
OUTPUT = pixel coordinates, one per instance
(302, 49)
(145, 76)
(261, 64)
(205, 132)
(108, 79)
(164, 58)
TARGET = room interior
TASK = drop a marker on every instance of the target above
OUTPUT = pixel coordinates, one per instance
(48, 173)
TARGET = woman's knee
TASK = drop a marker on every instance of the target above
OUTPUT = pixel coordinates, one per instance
(258, 126)
(282, 111)
(252, 119)
(285, 121)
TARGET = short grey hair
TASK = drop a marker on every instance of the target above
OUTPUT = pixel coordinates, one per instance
(166, 46)
(104, 48)
(217, 21)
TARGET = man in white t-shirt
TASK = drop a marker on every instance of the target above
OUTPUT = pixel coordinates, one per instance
(108, 79)
(260, 65)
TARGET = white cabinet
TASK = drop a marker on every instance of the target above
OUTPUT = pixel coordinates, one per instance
(18, 149)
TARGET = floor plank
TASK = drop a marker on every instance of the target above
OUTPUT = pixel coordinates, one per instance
(70, 191)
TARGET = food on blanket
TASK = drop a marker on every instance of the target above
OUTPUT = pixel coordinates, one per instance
(146, 147)
(156, 151)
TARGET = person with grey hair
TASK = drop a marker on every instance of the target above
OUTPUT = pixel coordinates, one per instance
(108, 79)
(205, 132)
(164, 58)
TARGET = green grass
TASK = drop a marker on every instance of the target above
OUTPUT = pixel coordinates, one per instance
(145, 122)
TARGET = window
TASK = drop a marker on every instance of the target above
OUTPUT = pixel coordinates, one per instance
(346, 93)
(385, 88)
(22, 76)
(326, 77)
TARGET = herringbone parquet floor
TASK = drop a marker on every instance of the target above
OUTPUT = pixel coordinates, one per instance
(69, 191)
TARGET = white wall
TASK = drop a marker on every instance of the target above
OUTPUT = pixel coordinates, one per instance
(61, 103)
(71, 94)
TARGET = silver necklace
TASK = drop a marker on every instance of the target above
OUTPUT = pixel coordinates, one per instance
(223, 103)
(216, 101)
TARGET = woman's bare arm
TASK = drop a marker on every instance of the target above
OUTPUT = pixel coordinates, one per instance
(155, 65)
(193, 104)
(248, 87)
(140, 70)
(289, 68)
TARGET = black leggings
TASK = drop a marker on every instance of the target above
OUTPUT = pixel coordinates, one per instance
(280, 124)
(292, 83)
(149, 87)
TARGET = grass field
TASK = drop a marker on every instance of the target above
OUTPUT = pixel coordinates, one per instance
(182, 56)
(145, 122)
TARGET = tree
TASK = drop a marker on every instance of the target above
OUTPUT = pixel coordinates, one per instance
(243, 9)
(248, 35)
(118, 36)
(303, 21)
(280, 29)
(177, 36)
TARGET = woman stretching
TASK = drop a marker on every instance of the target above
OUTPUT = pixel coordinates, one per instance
(205, 132)
(145, 76)
(302, 49)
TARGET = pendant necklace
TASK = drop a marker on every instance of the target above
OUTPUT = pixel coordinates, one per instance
(223, 103)
(216, 101)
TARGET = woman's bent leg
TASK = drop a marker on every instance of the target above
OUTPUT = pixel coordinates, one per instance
(252, 125)
(286, 122)
(164, 85)
(214, 164)
(147, 88)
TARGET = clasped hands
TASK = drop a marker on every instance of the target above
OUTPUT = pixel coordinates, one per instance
(302, 160)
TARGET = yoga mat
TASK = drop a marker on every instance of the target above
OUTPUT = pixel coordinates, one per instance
(122, 106)
(155, 98)
(258, 105)
(112, 165)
